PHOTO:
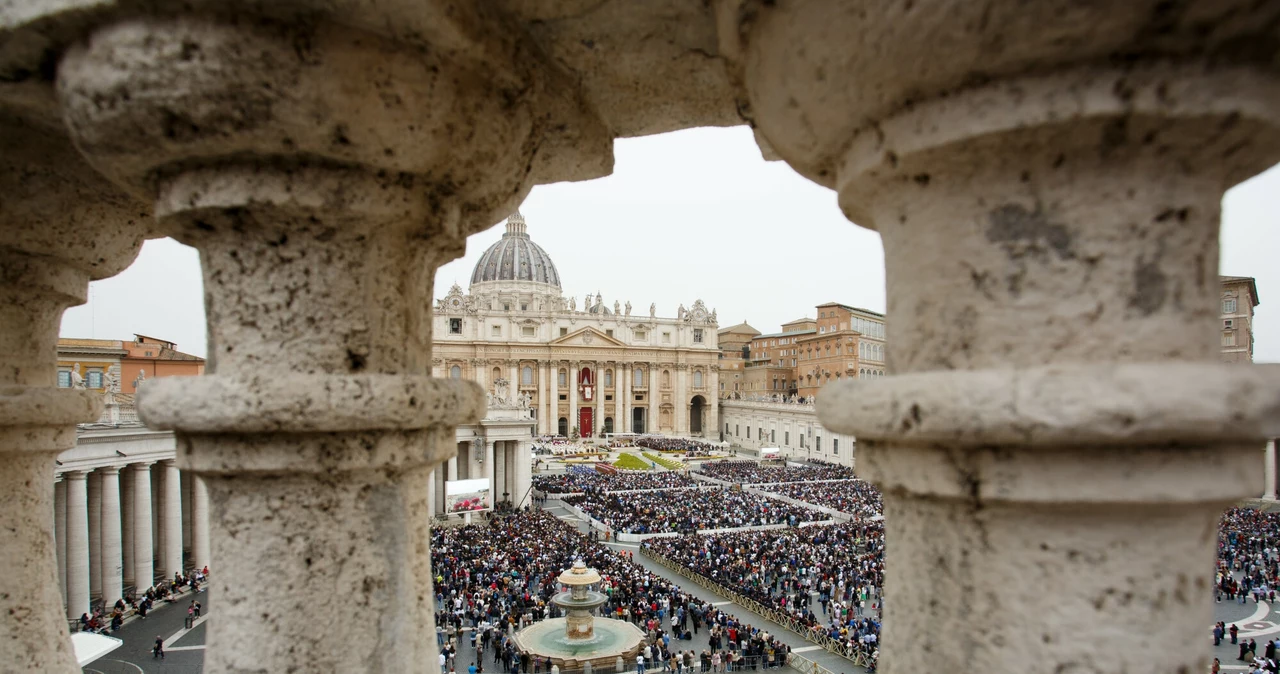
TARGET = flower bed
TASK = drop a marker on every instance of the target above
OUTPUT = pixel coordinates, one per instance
(631, 462)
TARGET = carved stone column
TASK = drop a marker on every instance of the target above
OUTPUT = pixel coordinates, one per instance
(1058, 440)
(324, 168)
(61, 225)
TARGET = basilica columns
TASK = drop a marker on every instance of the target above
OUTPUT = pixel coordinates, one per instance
(553, 400)
(572, 383)
(1049, 213)
(60, 531)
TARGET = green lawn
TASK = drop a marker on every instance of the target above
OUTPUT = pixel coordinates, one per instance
(631, 462)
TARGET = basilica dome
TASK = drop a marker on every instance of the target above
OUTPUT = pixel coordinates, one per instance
(515, 257)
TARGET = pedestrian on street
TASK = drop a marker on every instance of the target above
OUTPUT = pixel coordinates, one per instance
(158, 650)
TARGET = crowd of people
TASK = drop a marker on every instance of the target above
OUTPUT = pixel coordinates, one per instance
(750, 472)
(590, 480)
(840, 567)
(555, 446)
(853, 497)
(685, 445)
(500, 576)
(104, 620)
(689, 510)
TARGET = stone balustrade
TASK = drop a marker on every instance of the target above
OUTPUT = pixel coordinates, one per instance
(1046, 178)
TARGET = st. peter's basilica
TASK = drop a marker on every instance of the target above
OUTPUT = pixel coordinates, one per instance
(584, 367)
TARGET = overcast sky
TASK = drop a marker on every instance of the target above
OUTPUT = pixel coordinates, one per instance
(688, 215)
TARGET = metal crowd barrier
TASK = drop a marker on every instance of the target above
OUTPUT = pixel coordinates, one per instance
(817, 636)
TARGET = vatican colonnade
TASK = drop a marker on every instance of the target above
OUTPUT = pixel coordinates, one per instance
(1046, 178)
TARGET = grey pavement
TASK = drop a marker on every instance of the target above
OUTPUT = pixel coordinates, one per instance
(184, 653)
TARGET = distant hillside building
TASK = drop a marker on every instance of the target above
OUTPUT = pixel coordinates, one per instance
(1239, 297)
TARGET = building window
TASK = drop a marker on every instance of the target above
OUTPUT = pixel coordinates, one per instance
(526, 376)
(726, 428)
(736, 430)
(748, 432)
(562, 377)
(455, 326)
(1229, 305)
(639, 397)
(608, 333)
(524, 306)
(1228, 339)
(773, 435)
(786, 438)
(608, 377)
(666, 379)
(640, 335)
(564, 331)
(697, 335)
(835, 446)
(93, 379)
(506, 307)
(527, 331)
(455, 372)
(64, 378)
(496, 331)
(697, 379)
(666, 338)
(637, 377)
(817, 443)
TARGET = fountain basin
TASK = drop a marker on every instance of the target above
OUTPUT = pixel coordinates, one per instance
(608, 640)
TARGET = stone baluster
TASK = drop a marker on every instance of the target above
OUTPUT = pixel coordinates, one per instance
(1058, 440)
(61, 225)
(324, 173)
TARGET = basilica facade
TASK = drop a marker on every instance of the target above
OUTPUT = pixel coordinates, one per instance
(586, 369)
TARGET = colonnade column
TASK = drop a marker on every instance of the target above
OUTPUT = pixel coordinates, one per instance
(626, 398)
(171, 520)
(77, 544)
(110, 559)
(94, 492)
(542, 398)
(127, 527)
(1054, 427)
(524, 473)
(143, 553)
(199, 523)
(60, 532)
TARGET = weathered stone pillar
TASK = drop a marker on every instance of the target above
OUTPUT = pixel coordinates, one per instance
(323, 172)
(199, 523)
(488, 471)
(1058, 440)
(127, 527)
(61, 225)
(1269, 471)
(112, 570)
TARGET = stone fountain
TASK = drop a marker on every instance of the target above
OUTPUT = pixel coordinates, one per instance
(579, 637)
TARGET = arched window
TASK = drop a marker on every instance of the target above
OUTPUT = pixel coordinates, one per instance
(697, 378)
(526, 376)
(455, 372)
(608, 378)
(637, 376)
(562, 377)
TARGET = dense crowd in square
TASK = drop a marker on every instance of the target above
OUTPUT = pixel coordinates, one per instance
(689, 510)
(502, 574)
(589, 480)
(687, 446)
(750, 472)
(842, 565)
(854, 497)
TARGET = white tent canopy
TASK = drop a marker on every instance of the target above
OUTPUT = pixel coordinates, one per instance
(90, 646)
